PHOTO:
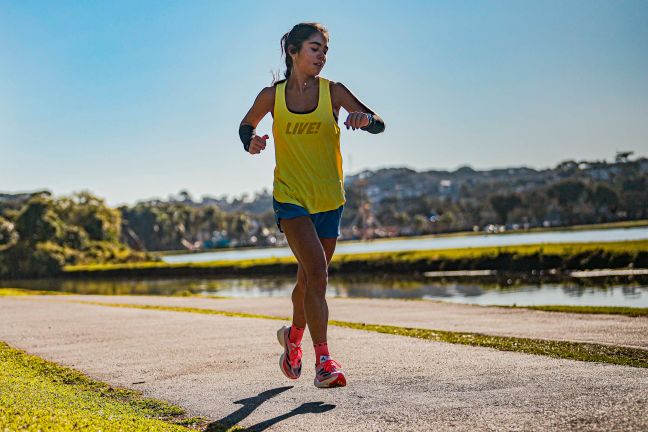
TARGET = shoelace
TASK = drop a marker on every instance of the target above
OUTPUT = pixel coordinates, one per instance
(331, 366)
(295, 355)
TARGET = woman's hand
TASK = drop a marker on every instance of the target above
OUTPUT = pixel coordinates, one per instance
(258, 143)
(357, 120)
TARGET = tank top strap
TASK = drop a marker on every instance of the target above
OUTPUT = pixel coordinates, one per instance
(280, 100)
(324, 104)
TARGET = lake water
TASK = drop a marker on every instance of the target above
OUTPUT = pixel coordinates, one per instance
(430, 243)
(460, 292)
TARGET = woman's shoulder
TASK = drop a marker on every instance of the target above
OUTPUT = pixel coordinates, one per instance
(339, 91)
(266, 98)
(268, 92)
(337, 87)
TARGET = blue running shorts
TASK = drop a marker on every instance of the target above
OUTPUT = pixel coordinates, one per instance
(327, 224)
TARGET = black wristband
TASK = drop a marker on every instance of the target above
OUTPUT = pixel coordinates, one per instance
(376, 124)
(246, 132)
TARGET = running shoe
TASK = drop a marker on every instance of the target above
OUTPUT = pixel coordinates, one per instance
(290, 361)
(328, 374)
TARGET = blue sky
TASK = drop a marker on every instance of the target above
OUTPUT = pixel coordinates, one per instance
(134, 100)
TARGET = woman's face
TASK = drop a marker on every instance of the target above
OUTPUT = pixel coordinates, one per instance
(312, 56)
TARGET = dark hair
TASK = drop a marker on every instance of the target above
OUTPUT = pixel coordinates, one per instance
(293, 40)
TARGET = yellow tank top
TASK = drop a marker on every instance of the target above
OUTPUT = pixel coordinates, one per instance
(308, 169)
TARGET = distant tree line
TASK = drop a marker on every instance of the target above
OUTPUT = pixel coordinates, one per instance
(40, 234)
(566, 195)
(564, 203)
(160, 226)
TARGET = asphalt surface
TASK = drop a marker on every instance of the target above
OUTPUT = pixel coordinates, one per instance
(605, 329)
(226, 369)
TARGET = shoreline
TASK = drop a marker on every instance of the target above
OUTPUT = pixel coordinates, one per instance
(551, 261)
(577, 309)
(602, 226)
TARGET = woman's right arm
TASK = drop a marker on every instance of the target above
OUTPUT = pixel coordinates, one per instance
(263, 104)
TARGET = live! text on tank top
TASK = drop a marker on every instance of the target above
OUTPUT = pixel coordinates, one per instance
(308, 170)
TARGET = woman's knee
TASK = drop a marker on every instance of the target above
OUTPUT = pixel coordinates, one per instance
(317, 275)
(317, 279)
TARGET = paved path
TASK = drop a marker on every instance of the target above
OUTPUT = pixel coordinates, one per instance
(606, 329)
(226, 369)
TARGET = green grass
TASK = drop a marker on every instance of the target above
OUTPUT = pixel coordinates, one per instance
(580, 351)
(404, 257)
(242, 264)
(184, 309)
(22, 292)
(560, 249)
(607, 310)
(39, 395)
(588, 352)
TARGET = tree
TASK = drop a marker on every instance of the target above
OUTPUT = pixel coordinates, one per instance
(8, 234)
(37, 226)
(503, 205)
(37, 222)
(537, 204)
(41, 243)
(567, 194)
(100, 222)
(604, 199)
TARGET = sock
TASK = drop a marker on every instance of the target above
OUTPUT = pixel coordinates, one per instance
(295, 335)
(321, 350)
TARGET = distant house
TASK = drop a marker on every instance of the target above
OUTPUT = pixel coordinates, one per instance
(375, 194)
(448, 189)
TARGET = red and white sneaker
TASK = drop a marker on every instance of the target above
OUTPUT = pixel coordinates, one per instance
(290, 361)
(328, 374)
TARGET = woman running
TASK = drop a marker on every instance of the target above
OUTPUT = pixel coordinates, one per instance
(308, 195)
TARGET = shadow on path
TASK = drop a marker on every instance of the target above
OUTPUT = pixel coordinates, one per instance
(305, 408)
(250, 404)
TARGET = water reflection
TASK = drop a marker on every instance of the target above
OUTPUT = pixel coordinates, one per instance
(634, 295)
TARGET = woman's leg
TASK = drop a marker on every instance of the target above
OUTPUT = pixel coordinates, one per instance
(299, 314)
(299, 292)
(305, 244)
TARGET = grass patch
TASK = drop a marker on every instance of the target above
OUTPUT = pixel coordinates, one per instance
(589, 352)
(23, 292)
(607, 310)
(184, 309)
(549, 255)
(40, 395)
(147, 265)
(188, 293)
(562, 249)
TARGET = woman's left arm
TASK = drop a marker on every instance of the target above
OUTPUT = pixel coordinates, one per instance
(360, 116)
